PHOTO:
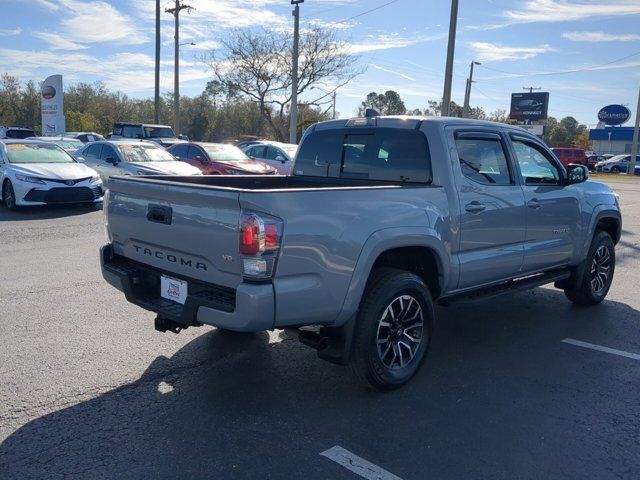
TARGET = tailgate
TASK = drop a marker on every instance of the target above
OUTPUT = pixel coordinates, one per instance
(179, 228)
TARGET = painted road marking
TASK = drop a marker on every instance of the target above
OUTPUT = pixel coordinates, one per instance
(600, 348)
(358, 465)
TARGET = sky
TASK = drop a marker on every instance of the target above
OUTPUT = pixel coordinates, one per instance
(585, 53)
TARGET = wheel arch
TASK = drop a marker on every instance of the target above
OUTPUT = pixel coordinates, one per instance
(399, 248)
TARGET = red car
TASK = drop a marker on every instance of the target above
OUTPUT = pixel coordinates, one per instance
(219, 159)
(571, 155)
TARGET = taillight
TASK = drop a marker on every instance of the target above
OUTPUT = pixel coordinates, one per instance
(260, 237)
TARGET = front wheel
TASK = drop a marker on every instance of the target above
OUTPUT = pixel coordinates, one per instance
(615, 169)
(393, 329)
(597, 274)
(9, 196)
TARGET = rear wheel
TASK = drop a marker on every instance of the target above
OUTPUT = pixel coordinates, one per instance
(597, 273)
(615, 169)
(8, 196)
(393, 329)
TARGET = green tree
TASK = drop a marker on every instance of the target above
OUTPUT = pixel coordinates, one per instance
(388, 103)
(582, 140)
(559, 137)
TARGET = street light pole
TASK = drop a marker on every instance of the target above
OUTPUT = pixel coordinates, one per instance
(634, 144)
(453, 23)
(467, 94)
(293, 120)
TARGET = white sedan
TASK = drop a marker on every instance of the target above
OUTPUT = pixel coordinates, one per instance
(41, 173)
(131, 157)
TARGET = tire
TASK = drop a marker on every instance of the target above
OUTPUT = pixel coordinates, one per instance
(615, 169)
(391, 294)
(8, 196)
(597, 274)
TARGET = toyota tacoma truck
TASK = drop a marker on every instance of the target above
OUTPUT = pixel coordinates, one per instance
(382, 218)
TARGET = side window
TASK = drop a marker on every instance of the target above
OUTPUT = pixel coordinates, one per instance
(108, 152)
(257, 152)
(180, 151)
(536, 166)
(354, 163)
(193, 153)
(131, 132)
(117, 130)
(93, 151)
(483, 160)
(272, 153)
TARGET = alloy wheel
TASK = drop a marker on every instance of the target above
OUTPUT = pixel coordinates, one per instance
(600, 269)
(400, 332)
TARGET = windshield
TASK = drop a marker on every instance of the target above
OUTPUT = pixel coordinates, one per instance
(135, 153)
(617, 158)
(158, 132)
(69, 145)
(20, 134)
(225, 153)
(37, 153)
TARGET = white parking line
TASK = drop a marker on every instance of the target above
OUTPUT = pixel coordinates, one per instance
(600, 348)
(358, 465)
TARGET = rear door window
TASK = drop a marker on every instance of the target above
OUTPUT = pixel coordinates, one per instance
(93, 151)
(180, 151)
(483, 160)
(385, 154)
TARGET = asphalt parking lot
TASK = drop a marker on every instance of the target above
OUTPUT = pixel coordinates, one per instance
(90, 390)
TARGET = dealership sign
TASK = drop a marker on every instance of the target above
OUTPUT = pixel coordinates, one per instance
(52, 109)
(529, 106)
(614, 115)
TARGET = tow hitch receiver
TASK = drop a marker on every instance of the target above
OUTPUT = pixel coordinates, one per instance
(164, 324)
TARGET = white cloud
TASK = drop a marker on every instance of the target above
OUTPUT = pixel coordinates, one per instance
(49, 5)
(393, 72)
(491, 52)
(567, 10)
(600, 37)
(57, 42)
(385, 42)
(10, 32)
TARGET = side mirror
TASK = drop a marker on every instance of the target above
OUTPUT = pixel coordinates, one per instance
(200, 159)
(80, 159)
(577, 173)
(183, 137)
(281, 159)
(112, 161)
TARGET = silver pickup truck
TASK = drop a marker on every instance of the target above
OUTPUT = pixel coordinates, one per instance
(382, 218)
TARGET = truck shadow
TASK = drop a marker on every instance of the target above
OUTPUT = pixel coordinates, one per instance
(256, 406)
(46, 212)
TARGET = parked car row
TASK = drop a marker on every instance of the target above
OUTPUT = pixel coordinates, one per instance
(616, 164)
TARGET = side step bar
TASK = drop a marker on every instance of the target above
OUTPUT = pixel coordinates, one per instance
(517, 285)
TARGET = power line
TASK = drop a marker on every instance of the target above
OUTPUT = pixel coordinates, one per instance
(369, 11)
(561, 72)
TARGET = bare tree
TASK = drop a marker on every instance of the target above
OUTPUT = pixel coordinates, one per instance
(258, 65)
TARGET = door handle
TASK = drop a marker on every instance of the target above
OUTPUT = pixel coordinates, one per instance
(474, 207)
(159, 214)
(533, 203)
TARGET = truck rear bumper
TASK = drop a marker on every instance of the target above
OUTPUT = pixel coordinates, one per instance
(249, 308)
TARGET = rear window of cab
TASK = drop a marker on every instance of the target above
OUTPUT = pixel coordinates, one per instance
(383, 154)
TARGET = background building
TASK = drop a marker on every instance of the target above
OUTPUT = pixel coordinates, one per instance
(613, 140)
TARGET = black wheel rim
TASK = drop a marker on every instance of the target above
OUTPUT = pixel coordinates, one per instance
(600, 269)
(8, 196)
(400, 332)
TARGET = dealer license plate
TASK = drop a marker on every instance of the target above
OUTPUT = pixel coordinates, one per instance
(173, 289)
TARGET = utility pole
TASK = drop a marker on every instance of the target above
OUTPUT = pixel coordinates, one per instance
(467, 94)
(176, 63)
(293, 120)
(156, 116)
(334, 105)
(634, 144)
(453, 23)
(531, 89)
